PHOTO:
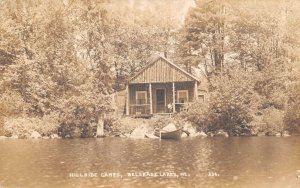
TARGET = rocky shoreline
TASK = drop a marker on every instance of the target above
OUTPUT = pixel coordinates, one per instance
(145, 131)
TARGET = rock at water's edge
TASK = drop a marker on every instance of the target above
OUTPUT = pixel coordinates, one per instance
(35, 134)
(189, 128)
(54, 136)
(170, 127)
(183, 135)
(139, 132)
(202, 134)
(210, 134)
(221, 133)
(261, 134)
(14, 137)
(285, 133)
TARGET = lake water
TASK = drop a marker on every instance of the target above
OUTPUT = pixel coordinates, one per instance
(120, 162)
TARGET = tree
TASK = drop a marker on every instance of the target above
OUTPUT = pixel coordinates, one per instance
(204, 34)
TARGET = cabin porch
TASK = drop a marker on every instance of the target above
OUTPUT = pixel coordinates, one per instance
(160, 98)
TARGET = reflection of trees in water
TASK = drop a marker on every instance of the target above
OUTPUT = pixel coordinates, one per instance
(235, 156)
(255, 160)
(49, 162)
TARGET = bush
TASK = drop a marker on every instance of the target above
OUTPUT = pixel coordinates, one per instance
(292, 116)
(231, 104)
(12, 104)
(274, 120)
(198, 114)
(79, 114)
(2, 131)
(80, 130)
(24, 126)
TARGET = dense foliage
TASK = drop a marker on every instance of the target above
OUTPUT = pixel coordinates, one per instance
(64, 59)
(250, 57)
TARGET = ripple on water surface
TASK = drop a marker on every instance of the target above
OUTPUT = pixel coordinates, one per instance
(205, 162)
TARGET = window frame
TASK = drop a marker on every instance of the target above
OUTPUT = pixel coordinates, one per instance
(136, 97)
(183, 91)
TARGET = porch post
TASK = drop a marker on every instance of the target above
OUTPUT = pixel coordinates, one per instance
(150, 93)
(196, 91)
(173, 89)
(127, 99)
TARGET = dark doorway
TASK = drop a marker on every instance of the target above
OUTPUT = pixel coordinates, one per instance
(160, 101)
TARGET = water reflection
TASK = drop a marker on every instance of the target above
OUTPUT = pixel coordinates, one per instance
(240, 162)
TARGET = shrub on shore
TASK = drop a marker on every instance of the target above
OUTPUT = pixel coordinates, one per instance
(274, 120)
(24, 126)
(231, 103)
(292, 116)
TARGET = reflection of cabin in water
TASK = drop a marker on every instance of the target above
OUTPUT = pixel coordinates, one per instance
(159, 88)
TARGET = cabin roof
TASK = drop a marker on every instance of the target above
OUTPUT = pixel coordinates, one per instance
(185, 76)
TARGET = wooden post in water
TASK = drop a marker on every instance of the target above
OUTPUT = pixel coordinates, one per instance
(100, 128)
(127, 99)
(173, 89)
(150, 93)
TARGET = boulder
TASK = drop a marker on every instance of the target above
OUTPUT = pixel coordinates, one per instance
(183, 135)
(285, 133)
(35, 135)
(14, 137)
(170, 127)
(221, 133)
(273, 133)
(68, 136)
(45, 137)
(54, 136)
(139, 132)
(261, 134)
(254, 132)
(210, 134)
(277, 134)
(189, 128)
(202, 134)
(127, 135)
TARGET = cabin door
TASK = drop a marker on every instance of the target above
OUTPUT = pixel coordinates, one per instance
(160, 100)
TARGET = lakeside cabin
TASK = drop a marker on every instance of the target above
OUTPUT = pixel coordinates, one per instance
(161, 87)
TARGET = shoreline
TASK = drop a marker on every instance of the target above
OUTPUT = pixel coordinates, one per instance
(129, 136)
(127, 127)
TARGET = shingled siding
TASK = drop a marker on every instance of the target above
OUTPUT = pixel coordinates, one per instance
(161, 71)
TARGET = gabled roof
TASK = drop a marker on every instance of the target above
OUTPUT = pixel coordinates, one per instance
(187, 76)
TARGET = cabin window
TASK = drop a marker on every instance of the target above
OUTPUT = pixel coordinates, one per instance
(201, 98)
(182, 96)
(141, 97)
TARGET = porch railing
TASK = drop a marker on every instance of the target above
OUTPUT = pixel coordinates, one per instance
(181, 107)
(138, 109)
